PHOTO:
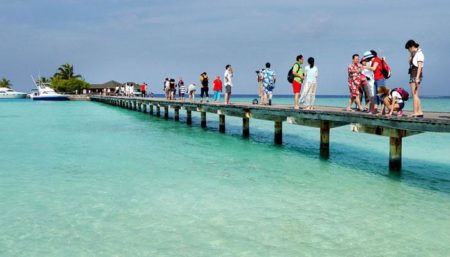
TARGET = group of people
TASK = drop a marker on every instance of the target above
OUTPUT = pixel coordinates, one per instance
(367, 78)
(171, 87)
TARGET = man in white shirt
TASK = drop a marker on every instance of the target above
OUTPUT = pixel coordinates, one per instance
(228, 82)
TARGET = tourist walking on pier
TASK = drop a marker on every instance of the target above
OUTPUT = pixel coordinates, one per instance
(172, 89)
(308, 95)
(354, 82)
(259, 78)
(192, 88)
(228, 76)
(181, 89)
(269, 79)
(415, 72)
(204, 90)
(297, 72)
(217, 88)
(166, 88)
(143, 89)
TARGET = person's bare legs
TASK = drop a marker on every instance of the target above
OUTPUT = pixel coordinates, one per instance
(296, 98)
(417, 106)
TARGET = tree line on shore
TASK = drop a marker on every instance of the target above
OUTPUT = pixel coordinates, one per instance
(64, 80)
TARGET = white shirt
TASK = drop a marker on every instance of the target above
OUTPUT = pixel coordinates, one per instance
(398, 96)
(418, 57)
(311, 74)
(227, 78)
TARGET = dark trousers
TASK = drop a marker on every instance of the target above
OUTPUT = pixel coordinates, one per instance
(204, 92)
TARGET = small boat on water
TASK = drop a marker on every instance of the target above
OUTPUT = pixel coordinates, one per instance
(44, 92)
(8, 93)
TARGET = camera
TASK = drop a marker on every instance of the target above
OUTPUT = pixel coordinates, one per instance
(257, 72)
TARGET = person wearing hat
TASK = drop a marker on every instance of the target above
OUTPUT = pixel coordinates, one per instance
(369, 88)
(376, 67)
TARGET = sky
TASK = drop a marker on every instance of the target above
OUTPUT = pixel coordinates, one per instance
(139, 41)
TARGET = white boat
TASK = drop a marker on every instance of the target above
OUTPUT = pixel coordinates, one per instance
(10, 93)
(45, 93)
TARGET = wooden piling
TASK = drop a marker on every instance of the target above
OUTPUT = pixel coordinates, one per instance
(203, 119)
(144, 109)
(150, 109)
(166, 112)
(221, 123)
(278, 138)
(158, 111)
(189, 117)
(245, 127)
(395, 153)
(177, 113)
(325, 139)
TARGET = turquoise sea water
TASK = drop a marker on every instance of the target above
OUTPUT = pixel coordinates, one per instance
(88, 179)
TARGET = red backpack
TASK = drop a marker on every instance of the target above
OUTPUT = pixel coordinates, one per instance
(385, 69)
(402, 92)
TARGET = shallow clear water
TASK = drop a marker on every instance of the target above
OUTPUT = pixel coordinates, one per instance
(87, 179)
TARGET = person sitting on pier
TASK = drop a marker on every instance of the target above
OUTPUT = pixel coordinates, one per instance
(392, 100)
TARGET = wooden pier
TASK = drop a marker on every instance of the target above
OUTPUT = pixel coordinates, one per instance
(325, 118)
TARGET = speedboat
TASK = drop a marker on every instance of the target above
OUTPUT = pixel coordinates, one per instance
(8, 93)
(44, 92)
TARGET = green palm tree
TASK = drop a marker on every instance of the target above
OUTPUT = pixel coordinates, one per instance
(5, 83)
(65, 72)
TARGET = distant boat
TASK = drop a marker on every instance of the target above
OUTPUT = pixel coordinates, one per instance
(45, 93)
(8, 93)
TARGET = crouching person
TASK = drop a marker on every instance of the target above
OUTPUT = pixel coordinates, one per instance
(393, 100)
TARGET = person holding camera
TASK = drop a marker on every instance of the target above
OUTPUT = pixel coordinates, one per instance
(268, 81)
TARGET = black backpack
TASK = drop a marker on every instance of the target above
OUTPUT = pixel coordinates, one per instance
(290, 76)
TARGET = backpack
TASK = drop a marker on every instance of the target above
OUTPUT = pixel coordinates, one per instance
(402, 92)
(290, 76)
(385, 69)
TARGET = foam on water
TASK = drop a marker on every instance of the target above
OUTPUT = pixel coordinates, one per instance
(87, 179)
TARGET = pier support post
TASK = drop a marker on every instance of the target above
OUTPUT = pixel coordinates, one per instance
(177, 113)
(189, 117)
(245, 127)
(203, 119)
(166, 112)
(278, 138)
(221, 123)
(151, 109)
(325, 139)
(395, 153)
(158, 111)
(144, 108)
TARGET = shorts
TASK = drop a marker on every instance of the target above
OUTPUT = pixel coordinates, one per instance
(413, 80)
(228, 89)
(354, 90)
(296, 87)
(268, 90)
(401, 105)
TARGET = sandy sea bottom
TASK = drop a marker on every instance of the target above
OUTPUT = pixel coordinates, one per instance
(87, 179)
